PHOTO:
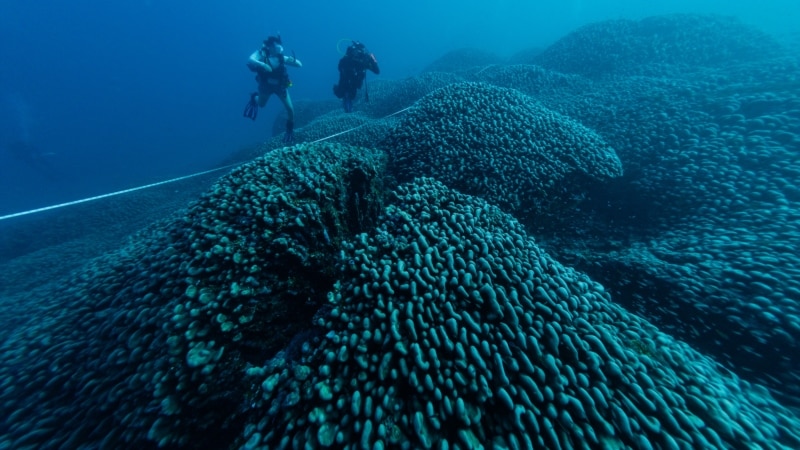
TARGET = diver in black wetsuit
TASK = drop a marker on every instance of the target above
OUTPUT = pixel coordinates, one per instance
(269, 64)
(352, 72)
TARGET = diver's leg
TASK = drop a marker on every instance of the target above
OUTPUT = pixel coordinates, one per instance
(348, 100)
(263, 94)
(287, 103)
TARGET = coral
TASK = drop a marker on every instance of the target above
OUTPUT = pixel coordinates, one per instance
(452, 327)
(655, 45)
(500, 145)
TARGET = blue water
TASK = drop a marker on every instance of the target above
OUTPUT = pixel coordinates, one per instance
(115, 95)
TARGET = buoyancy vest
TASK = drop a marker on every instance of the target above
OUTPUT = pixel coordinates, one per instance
(279, 75)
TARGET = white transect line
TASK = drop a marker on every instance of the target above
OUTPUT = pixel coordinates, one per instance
(482, 70)
(112, 194)
(355, 128)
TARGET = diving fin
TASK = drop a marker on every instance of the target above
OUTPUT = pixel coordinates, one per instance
(288, 138)
(251, 108)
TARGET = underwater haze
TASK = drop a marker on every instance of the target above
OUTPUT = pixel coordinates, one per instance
(552, 226)
(109, 96)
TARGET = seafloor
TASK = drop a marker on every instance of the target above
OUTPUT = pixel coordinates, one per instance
(593, 245)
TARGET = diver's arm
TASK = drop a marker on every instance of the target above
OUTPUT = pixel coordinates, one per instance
(255, 65)
(373, 64)
(292, 61)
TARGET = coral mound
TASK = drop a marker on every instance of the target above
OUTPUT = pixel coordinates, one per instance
(628, 47)
(452, 328)
(498, 144)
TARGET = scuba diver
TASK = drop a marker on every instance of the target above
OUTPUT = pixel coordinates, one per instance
(269, 63)
(33, 157)
(352, 72)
